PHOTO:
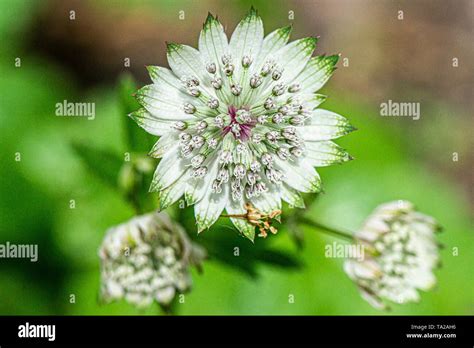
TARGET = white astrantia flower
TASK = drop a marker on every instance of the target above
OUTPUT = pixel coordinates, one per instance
(239, 122)
(147, 259)
(401, 255)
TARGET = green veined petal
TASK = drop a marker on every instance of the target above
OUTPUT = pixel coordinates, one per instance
(245, 228)
(163, 103)
(208, 210)
(317, 72)
(213, 42)
(170, 169)
(268, 202)
(325, 125)
(294, 57)
(186, 61)
(173, 192)
(197, 188)
(271, 43)
(301, 176)
(325, 153)
(150, 123)
(247, 38)
(292, 197)
(163, 145)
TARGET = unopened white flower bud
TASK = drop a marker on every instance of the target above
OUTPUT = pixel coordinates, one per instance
(402, 255)
(147, 259)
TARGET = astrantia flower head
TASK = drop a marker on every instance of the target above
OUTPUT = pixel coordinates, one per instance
(146, 259)
(401, 254)
(239, 121)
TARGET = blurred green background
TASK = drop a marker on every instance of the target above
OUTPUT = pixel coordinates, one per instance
(396, 158)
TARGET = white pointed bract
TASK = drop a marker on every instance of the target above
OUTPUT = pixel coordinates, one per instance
(252, 104)
(401, 254)
(147, 259)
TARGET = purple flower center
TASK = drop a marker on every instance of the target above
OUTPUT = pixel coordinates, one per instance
(240, 129)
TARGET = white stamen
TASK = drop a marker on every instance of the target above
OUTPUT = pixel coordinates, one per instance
(199, 172)
(284, 109)
(277, 74)
(211, 68)
(255, 166)
(297, 120)
(240, 148)
(226, 58)
(189, 81)
(184, 138)
(257, 138)
(246, 61)
(212, 143)
(294, 88)
(243, 116)
(201, 125)
(189, 108)
(216, 186)
(239, 171)
(273, 175)
(180, 125)
(262, 119)
(219, 121)
(269, 103)
(278, 89)
(260, 187)
(223, 175)
(225, 156)
(197, 160)
(186, 150)
(198, 141)
(252, 177)
(229, 69)
(193, 91)
(272, 137)
(289, 133)
(216, 83)
(277, 118)
(255, 81)
(267, 67)
(267, 159)
(236, 190)
(283, 153)
(213, 103)
(235, 128)
(235, 89)
(249, 191)
(296, 151)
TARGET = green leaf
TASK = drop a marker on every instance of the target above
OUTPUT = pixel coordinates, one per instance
(104, 164)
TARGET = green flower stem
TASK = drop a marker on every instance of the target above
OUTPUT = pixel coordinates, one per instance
(325, 229)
